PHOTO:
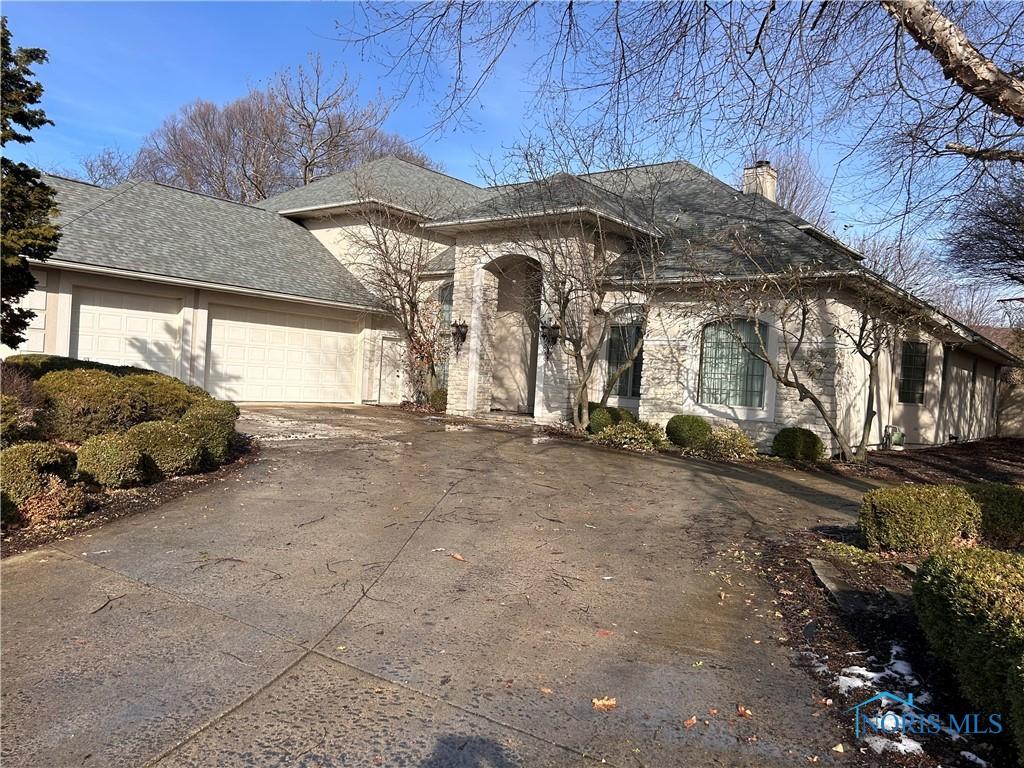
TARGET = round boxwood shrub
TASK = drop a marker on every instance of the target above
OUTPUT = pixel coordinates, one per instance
(112, 461)
(604, 416)
(165, 397)
(57, 501)
(167, 449)
(84, 402)
(726, 444)
(28, 466)
(439, 400)
(213, 427)
(798, 443)
(1002, 513)
(687, 431)
(970, 605)
(918, 518)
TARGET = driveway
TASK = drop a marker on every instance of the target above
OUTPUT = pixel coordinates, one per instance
(384, 589)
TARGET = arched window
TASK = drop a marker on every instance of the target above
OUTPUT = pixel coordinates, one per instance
(730, 374)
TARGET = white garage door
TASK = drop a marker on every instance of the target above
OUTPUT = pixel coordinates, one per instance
(126, 329)
(260, 356)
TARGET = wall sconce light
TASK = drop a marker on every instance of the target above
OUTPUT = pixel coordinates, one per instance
(460, 330)
(550, 333)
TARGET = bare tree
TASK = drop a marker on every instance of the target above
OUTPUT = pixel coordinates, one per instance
(801, 188)
(987, 236)
(308, 122)
(925, 101)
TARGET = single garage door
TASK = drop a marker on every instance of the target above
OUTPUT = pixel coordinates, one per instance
(126, 329)
(262, 356)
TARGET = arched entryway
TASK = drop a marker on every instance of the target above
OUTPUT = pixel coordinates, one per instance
(514, 332)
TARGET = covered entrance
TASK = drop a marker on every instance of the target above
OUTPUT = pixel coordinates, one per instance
(513, 333)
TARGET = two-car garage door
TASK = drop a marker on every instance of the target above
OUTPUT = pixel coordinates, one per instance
(252, 355)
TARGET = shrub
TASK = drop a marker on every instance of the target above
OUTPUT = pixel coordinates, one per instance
(82, 403)
(167, 449)
(212, 425)
(918, 518)
(1015, 696)
(27, 466)
(798, 443)
(604, 416)
(16, 421)
(727, 443)
(165, 397)
(36, 366)
(1002, 513)
(15, 381)
(439, 400)
(687, 431)
(970, 604)
(57, 501)
(112, 460)
(630, 436)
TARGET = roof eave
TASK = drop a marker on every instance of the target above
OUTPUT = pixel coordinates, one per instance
(483, 222)
(347, 205)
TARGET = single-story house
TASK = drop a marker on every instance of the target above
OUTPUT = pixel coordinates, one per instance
(266, 303)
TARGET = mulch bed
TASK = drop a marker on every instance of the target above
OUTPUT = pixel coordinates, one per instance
(819, 633)
(998, 460)
(111, 505)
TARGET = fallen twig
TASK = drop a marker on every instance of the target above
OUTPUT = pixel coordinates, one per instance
(310, 522)
(108, 602)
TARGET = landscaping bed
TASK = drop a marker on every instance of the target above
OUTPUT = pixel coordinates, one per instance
(997, 460)
(80, 437)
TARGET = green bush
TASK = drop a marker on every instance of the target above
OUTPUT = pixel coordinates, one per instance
(687, 431)
(632, 436)
(439, 400)
(1002, 513)
(165, 397)
(112, 461)
(918, 518)
(728, 444)
(57, 501)
(85, 402)
(212, 425)
(970, 604)
(27, 467)
(1015, 695)
(798, 443)
(167, 449)
(16, 421)
(604, 416)
(37, 366)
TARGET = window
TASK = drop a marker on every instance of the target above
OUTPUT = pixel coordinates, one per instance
(729, 373)
(446, 296)
(620, 344)
(913, 365)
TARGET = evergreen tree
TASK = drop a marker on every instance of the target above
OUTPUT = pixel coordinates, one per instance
(28, 203)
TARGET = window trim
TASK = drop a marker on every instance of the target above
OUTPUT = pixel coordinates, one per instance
(736, 412)
(630, 371)
(924, 372)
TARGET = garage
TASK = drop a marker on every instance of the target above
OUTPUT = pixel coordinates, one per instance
(124, 328)
(258, 355)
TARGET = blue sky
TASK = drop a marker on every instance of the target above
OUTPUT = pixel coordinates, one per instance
(116, 70)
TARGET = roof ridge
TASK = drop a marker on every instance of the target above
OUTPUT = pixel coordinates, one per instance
(114, 193)
(421, 167)
(75, 181)
(165, 185)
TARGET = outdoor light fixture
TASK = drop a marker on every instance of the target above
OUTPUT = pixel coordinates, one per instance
(550, 332)
(460, 330)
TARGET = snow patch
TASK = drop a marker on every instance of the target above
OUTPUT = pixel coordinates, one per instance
(901, 744)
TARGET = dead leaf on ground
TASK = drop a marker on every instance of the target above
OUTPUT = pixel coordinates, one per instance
(546, 691)
(457, 556)
(604, 704)
(604, 633)
(690, 722)
(713, 711)
(743, 711)
(839, 748)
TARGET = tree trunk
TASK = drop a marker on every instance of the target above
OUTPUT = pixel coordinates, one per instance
(869, 412)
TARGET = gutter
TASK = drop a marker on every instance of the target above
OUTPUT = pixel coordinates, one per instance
(168, 280)
(543, 214)
(314, 209)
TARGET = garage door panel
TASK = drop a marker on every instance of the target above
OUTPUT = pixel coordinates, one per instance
(255, 355)
(127, 329)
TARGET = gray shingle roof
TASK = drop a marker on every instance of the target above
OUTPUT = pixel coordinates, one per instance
(443, 262)
(389, 180)
(74, 197)
(158, 230)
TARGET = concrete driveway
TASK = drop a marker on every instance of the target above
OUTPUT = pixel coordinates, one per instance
(309, 610)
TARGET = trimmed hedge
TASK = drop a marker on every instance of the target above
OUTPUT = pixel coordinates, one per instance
(918, 518)
(27, 467)
(85, 402)
(1015, 695)
(37, 366)
(439, 400)
(727, 443)
(112, 461)
(57, 501)
(604, 416)
(1002, 513)
(970, 604)
(13, 422)
(167, 449)
(165, 397)
(798, 443)
(212, 425)
(687, 431)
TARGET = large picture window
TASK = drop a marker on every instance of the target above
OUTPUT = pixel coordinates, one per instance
(913, 367)
(620, 344)
(730, 374)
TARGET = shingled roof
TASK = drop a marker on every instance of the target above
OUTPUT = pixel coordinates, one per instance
(162, 231)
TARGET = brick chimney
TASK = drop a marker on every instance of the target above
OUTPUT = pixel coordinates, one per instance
(760, 178)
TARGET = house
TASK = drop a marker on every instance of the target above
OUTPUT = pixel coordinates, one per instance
(266, 304)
